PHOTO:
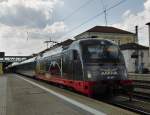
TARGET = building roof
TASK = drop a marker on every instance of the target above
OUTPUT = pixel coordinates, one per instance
(132, 46)
(107, 29)
(148, 23)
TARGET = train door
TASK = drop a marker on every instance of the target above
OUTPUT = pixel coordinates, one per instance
(78, 72)
(67, 68)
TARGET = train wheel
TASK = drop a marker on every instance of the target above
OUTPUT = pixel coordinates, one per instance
(110, 92)
(61, 86)
(130, 96)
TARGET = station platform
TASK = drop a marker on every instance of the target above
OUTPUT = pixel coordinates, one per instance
(140, 77)
(24, 96)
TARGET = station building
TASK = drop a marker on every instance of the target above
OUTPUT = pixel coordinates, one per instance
(117, 35)
(136, 57)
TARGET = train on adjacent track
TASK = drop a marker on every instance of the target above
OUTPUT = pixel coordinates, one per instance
(90, 66)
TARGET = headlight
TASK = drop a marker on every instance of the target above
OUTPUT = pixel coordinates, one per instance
(89, 75)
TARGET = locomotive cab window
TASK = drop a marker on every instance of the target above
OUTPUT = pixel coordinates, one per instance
(93, 52)
(75, 55)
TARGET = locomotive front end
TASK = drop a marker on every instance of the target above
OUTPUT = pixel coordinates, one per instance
(104, 68)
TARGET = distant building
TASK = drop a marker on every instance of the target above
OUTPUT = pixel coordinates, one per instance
(136, 57)
(117, 35)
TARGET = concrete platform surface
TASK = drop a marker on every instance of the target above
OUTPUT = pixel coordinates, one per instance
(140, 77)
(23, 96)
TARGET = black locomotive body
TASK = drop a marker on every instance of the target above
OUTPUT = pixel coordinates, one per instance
(90, 66)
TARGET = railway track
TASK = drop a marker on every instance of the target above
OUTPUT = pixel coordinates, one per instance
(134, 109)
(143, 96)
(141, 89)
(140, 102)
(136, 105)
(142, 84)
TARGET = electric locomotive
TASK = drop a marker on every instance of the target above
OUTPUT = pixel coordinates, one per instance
(90, 66)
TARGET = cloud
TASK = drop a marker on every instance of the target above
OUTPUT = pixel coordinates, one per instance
(24, 41)
(147, 5)
(17, 44)
(126, 13)
(56, 27)
(27, 13)
(17, 17)
(130, 20)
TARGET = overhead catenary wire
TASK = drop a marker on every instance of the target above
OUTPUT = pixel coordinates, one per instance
(97, 15)
(140, 28)
(76, 10)
(90, 19)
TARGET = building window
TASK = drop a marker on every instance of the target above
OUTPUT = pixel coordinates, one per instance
(94, 36)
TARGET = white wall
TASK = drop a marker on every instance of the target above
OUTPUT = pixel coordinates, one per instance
(130, 62)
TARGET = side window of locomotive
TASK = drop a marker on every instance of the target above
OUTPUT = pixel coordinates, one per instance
(65, 65)
(37, 66)
(42, 66)
(77, 66)
(47, 64)
(75, 55)
(33, 65)
(58, 65)
(29, 67)
(70, 64)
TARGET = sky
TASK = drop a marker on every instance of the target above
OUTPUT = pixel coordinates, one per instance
(26, 24)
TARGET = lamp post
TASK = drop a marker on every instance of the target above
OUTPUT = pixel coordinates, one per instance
(137, 50)
(149, 40)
